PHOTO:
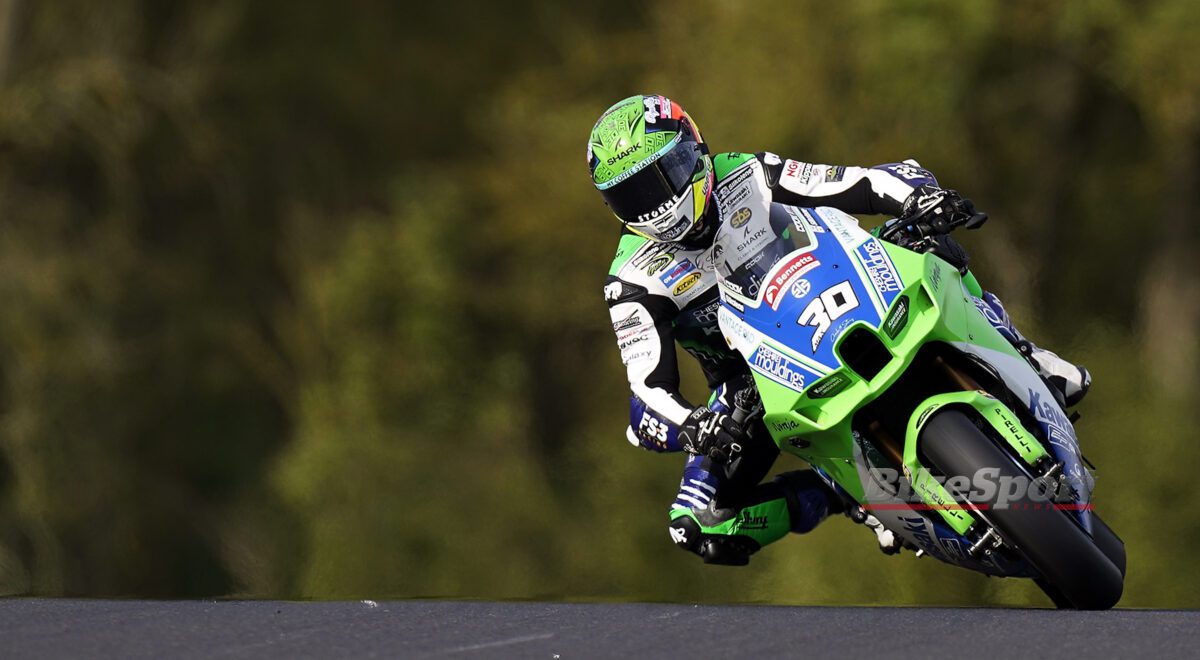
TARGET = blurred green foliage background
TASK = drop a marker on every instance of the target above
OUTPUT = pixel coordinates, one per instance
(304, 300)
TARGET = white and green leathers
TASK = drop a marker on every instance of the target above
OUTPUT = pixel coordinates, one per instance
(661, 294)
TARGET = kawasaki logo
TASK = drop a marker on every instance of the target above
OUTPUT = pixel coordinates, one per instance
(829, 386)
(625, 153)
(896, 320)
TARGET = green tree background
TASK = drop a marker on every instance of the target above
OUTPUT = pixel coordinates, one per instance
(304, 300)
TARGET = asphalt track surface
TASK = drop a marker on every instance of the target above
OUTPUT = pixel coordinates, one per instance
(34, 628)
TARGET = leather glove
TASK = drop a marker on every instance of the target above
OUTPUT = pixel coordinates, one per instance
(712, 434)
(940, 210)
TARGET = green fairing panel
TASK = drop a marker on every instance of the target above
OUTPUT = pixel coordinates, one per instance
(939, 310)
(818, 428)
(972, 285)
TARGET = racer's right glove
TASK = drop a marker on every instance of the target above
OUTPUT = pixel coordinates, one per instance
(712, 434)
(935, 210)
(930, 214)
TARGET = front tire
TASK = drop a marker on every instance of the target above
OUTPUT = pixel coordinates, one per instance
(1070, 562)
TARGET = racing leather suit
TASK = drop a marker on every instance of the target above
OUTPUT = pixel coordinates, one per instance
(660, 294)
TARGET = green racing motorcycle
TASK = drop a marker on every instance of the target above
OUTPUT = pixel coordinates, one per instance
(879, 366)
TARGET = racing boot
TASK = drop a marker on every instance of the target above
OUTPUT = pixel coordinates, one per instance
(1069, 381)
(889, 543)
(793, 502)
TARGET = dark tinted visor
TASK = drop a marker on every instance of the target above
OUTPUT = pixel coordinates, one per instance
(656, 184)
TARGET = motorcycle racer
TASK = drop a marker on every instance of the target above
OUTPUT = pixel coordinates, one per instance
(653, 169)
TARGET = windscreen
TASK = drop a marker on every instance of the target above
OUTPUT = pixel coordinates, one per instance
(788, 233)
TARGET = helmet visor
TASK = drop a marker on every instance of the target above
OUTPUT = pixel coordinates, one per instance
(640, 197)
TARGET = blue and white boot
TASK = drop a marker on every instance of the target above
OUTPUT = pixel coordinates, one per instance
(1070, 380)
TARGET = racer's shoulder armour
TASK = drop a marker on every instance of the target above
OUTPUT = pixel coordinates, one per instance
(734, 163)
(742, 180)
(726, 163)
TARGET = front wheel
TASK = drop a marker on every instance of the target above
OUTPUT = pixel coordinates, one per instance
(1050, 541)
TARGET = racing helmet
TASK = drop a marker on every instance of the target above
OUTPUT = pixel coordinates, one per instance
(651, 166)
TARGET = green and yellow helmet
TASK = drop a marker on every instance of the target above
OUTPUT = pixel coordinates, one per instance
(652, 167)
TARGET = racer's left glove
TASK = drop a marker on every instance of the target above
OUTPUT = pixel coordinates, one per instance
(712, 434)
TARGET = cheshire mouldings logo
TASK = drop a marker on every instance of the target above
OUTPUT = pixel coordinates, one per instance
(778, 367)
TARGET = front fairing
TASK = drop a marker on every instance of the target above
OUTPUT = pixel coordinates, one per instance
(814, 276)
(811, 277)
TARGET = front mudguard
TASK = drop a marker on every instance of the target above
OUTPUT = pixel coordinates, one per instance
(992, 411)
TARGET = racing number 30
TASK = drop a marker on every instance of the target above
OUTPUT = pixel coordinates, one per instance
(827, 308)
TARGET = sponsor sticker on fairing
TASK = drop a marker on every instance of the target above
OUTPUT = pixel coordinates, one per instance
(792, 269)
(740, 336)
(778, 367)
(879, 267)
(844, 227)
(751, 236)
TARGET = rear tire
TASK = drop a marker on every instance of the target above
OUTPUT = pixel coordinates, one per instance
(1071, 564)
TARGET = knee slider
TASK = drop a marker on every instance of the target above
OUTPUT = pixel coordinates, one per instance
(712, 548)
(685, 533)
